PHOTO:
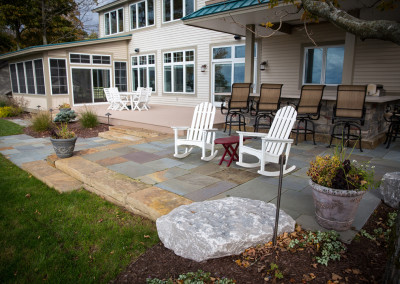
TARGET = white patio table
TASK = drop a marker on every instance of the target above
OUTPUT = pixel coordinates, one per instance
(131, 96)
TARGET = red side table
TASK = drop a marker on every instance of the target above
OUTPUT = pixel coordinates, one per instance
(231, 144)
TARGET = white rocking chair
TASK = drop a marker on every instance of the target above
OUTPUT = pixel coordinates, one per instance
(200, 134)
(273, 143)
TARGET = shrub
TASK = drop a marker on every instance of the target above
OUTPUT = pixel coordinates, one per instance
(192, 277)
(88, 119)
(9, 111)
(65, 116)
(4, 101)
(42, 121)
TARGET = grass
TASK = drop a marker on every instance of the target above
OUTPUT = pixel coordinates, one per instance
(9, 128)
(72, 237)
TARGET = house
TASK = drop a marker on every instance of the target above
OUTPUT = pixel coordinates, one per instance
(190, 51)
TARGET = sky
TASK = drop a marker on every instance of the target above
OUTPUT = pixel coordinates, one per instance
(92, 23)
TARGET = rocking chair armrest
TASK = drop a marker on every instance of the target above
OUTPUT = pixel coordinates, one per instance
(267, 139)
(211, 130)
(254, 134)
(180, 127)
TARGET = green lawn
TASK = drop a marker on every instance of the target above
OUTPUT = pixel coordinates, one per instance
(63, 238)
(9, 128)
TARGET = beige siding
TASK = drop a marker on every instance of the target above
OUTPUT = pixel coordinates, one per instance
(378, 62)
(32, 101)
(118, 50)
(284, 55)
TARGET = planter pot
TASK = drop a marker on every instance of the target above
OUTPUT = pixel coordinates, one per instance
(335, 208)
(64, 148)
(65, 109)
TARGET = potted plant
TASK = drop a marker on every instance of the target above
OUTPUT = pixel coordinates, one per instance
(64, 107)
(338, 186)
(63, 141)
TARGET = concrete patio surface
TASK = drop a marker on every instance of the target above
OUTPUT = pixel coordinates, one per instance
(161, 182)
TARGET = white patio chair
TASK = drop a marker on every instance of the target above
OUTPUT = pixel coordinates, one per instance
(146, 98)
(200, 134)
(120, 102)
(273, 143)
(141, 100)
(110, 99)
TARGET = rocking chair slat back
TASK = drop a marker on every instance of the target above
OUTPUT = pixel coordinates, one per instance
(280, 129)
(203, 119)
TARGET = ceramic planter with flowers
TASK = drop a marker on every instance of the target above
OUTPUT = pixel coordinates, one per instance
(63, 141)
(338, 186)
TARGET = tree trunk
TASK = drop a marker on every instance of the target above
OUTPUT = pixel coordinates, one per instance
(44, 28)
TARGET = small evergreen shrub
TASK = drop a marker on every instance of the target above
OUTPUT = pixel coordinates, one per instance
(42, 121)
(192, 277)
(65, 116)
(88, 119)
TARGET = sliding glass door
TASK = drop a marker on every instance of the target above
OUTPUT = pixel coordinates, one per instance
(88, 85)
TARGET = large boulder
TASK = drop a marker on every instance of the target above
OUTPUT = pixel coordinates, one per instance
(217, 228)
(390, 189)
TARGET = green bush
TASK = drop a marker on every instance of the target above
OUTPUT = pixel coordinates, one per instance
(88, 119)
(42, 121)
(192, 277)
(65, 116)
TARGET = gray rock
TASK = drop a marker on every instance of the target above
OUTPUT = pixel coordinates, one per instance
(217, 228)
(390, 189)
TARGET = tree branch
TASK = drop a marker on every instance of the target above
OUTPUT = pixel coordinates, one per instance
(379, 29)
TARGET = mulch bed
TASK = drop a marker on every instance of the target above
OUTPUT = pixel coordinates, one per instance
(363, 262)
(73, 126)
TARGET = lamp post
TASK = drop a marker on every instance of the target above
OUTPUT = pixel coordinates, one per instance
(38, 107)
(51, 113)
(282, 160)
(108, 118)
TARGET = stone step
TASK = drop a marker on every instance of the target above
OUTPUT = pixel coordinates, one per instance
(138, 197)
(118, 136)
(139, 132)
(51, 176)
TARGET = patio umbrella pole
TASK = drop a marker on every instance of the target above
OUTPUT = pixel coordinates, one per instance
(282, 159)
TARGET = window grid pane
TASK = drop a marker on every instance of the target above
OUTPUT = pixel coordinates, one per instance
(143, 74)
(150, 12)
(39, 74)
(58, 74)
(21, 77)
(334, 65)
(14, 80)
(142, 14)
(167, 10)
(133, 17)
(179, 73)
(30, 80)
(120, 76)
(120, 20)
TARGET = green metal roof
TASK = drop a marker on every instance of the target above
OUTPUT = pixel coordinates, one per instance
(225, 6)
(88, 41)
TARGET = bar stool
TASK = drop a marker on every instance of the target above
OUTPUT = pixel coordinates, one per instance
(238, 105)
(308, 109)
(349, 112)
(267, 105)
(394, 127)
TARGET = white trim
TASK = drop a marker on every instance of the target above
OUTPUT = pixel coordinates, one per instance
(66, 69)
(102, 64)
(127, 81)
(109, 21)
(147, 65)
(183, 63)
(74, 63)
(91, 79)
(172, 11)
(323, 63)
(137, 18)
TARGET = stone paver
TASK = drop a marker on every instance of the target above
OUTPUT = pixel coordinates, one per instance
(141, 157)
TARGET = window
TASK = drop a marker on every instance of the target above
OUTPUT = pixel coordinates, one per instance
(40, 88)
(27, 77)
(179, 72)
(143, 71)
(14, 78)
(323, 65)
(120, 77)
(79, 58)
(176, 9)
(142, 14)
(228, 68)
(21, 77)
(101, 59)
(114, 22)
(58, 76)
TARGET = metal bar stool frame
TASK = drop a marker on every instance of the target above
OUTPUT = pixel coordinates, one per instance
(394, 126)
(308, 109)
(349, 112)
(238, 105)
(267, 105)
